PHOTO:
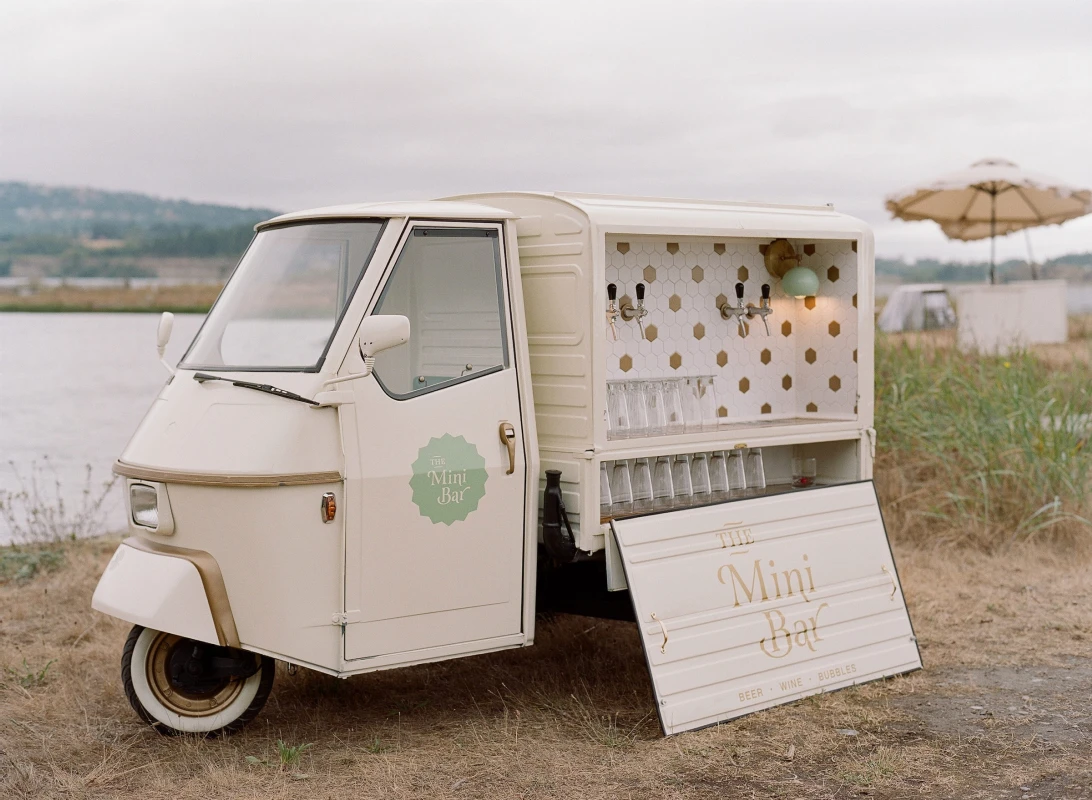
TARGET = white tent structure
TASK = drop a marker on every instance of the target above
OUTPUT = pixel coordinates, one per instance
(917, 307)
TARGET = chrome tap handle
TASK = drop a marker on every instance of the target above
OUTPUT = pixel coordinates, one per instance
(612, 309)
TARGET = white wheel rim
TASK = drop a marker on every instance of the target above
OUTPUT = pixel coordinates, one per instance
(138, 673)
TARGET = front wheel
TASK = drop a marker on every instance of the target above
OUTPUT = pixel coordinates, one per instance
(179, 685)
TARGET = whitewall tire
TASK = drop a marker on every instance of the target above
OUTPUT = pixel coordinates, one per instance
(170, 683)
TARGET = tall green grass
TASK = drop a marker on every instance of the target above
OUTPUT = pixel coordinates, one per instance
(979, 450)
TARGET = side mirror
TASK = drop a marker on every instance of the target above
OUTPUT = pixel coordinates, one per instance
(162, 336)
(382, 332)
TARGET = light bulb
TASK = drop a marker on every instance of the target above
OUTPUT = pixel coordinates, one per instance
(800, 282)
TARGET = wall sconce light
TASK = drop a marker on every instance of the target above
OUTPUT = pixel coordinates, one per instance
(783, 262)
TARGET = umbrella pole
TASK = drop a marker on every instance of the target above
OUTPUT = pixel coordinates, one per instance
(993, 235)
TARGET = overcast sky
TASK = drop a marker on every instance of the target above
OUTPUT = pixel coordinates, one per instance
(298, 104)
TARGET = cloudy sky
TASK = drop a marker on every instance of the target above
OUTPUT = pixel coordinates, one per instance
(297, 104)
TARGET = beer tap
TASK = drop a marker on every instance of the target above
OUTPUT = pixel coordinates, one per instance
(738, 311)
(763, 309)
(612, 309)
(638, 312)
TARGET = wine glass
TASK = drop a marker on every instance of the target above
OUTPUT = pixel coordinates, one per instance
(617, 411)
(663, 488)
(699, 477)
(621, 488)
(642, 485)
(680, 477)
(755, 472)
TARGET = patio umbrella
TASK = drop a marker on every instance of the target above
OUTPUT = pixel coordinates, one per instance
(992, 198)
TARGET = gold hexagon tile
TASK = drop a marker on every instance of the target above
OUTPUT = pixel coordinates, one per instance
(699, 331)
(812, 408)
(834, 328)
(722, 412)
(698, 274)
(722, 359)
(672, 247)
(762, 248)
(743, 274)
(625, 363)
(721, 300)
(835, 383)
(786, 328)
(809, 356)
(650, 274)
(675, 361)
(766, 408)
(854, 300)
(809, 303)
(832, 274)
(623, 247)
(718, 248)
(765, 356)
(651, 332)
(853, 245)
(854, 356)
(809, 249)
(786, 382)
(674, 302)
(744, 385)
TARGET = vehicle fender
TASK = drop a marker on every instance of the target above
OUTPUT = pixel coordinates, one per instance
(169, 589)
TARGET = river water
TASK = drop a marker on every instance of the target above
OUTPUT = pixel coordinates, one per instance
(74, 386)
(72, 389)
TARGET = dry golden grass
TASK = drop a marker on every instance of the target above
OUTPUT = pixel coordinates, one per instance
(197, 298)
(572, 716)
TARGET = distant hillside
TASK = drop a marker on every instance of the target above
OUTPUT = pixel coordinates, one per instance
(31, 210)
(1075, 267)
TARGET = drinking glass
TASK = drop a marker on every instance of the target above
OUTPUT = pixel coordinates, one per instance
(707, 401)
(680, 477)
(621, 488)
(637, 405)
(755, 472)
(642, 485)
(718, 475)
(654, 395)
(699, 477)
(691, 404)
(673, 411)
(737, 475)
(663, 488)
(803, 472)
(604, 490)
(617, 412)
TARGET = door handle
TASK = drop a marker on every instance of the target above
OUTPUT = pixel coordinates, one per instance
(508, 437)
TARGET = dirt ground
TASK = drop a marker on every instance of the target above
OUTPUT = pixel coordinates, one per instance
(1003, 709)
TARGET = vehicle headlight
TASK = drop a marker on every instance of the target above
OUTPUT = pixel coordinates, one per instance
(144, 504)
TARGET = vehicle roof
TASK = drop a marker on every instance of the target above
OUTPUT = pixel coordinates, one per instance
(428, 209)
(673, 215)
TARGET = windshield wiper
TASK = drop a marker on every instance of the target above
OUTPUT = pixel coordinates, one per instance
(201, 377)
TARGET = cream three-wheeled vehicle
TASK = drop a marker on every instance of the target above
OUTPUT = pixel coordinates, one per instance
(292, 489)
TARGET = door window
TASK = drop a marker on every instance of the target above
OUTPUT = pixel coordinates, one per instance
(447, 281)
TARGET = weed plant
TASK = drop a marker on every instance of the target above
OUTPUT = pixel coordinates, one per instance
(37, 513)
(979, 450)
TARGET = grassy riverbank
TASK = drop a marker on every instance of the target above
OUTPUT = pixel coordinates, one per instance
(196, 299)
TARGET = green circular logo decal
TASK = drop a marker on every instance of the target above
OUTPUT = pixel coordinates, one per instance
(448, 479)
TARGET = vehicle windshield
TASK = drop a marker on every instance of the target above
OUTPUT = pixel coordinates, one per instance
(282, 305)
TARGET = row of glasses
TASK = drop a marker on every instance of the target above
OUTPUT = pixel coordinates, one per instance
(687, 479)
(658, 407)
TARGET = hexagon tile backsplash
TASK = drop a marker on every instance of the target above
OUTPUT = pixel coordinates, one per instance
(808, 363)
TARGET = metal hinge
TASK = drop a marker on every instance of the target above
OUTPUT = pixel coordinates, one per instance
(871, 433)
(344, 617)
